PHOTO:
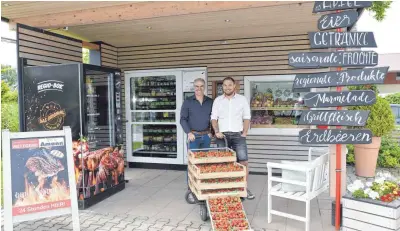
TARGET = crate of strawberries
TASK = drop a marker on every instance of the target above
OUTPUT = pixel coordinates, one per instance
(218, 183)
(204, 194)
(219, 170)
(215, 155)
(227, 213)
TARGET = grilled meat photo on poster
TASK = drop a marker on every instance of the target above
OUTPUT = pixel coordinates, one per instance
(96, 170)
(39, 175)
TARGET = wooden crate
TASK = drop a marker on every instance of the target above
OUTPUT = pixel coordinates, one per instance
(201, 196)
(201, 185)
(196, 173)
(212, 221)
(211, 160)
(371, 215)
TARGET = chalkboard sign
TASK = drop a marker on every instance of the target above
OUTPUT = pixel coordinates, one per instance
(335, 99)
(329, 39)
(333, 59)
(337, 20)
(334, 118)
(335, 136)
(341, 78)
(322, 6)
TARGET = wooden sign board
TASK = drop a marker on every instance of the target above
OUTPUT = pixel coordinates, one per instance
(333, 59)
(336, 99)
(330, 39)
(39, 178)
(335, 136)
(337, 20)
(334, 118)
(323, 6)
(341, 78)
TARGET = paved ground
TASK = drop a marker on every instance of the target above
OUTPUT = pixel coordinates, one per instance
(154, 200)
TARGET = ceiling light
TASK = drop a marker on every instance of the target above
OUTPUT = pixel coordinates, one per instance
(149, 27)
(227, 20)
(224, 42)
(6, 4)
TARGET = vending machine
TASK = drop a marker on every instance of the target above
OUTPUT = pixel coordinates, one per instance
(153, 101)
(86, 98)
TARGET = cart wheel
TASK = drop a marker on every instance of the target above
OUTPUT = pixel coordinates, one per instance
(189, 197)
(203, 212)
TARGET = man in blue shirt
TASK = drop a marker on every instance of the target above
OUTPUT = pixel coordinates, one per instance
(195, 121)
(195, 117)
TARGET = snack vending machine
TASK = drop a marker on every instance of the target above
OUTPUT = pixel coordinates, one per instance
(86, 98)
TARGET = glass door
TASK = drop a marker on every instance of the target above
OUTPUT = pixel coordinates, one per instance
(153, 117)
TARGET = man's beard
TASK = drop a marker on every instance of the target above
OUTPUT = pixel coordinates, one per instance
(229, 94)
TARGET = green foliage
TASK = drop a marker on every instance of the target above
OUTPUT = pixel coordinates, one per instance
(350, 158)
(393, 98)
(381, 120)
(9, 108)
(9, 116)
(85, 56)
(364, 87)
(379, 8)
(7, 95)
(389, 153)
(359, 193)
(9, 75)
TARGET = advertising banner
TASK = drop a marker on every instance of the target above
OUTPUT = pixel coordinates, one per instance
(51, 98)
(38, 176)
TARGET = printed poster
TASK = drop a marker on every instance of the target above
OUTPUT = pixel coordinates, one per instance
(51, 98)
(39, 175)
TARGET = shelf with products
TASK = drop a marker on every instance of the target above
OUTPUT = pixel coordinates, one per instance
(153, 116)
(155, 104)
(153, 93)
(275, 105)
(154, 140)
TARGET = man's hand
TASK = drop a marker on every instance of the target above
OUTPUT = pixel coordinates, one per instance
(210, 135)
(244, 134)
(191, 137)
(219, 135)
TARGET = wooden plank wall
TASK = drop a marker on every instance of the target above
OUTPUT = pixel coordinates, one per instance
(41, 47)
(235, 58)
(108, 55)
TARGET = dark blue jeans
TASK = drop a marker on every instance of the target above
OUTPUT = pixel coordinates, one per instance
(237, 143)
(201, 141)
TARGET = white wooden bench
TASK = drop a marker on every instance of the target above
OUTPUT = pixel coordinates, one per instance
(315, 182)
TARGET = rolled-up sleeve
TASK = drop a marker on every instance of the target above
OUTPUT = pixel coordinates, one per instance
(246, 109)
(185, 117)
(214, 112)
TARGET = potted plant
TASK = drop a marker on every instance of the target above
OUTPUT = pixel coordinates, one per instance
(380, 122)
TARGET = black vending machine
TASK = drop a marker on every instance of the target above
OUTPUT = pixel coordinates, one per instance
(88, 99)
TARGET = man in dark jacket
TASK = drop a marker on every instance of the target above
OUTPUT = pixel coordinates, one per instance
(195, 117)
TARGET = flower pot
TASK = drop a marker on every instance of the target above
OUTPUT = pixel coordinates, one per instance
(366, 157)
(367, 214)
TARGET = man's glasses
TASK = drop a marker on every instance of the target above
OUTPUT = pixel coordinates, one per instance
(196, 86)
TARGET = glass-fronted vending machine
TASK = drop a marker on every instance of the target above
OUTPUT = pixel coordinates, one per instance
(88, 99)
(153, 102)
